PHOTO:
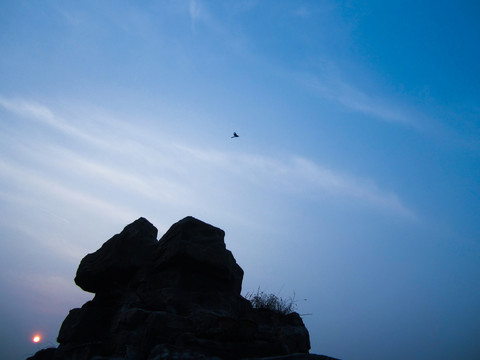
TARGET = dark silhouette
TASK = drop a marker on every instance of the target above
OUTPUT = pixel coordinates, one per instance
(173, 298)
(235, 135)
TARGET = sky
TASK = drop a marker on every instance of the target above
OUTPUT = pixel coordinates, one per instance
(354, 184)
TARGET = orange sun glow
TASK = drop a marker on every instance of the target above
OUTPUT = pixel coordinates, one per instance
(36, 338)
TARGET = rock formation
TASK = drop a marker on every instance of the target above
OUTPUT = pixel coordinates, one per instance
(175, 298)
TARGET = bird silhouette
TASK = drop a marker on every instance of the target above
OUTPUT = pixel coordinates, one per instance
(234, 135)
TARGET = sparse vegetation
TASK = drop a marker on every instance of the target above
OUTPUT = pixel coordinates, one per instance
(263, 300)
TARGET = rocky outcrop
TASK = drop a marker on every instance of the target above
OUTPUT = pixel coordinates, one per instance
(175, 298)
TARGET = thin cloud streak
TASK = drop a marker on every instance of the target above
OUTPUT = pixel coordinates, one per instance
(297, 174)
(333, 88)
(31, 180)
(194, 12)
(336, 184)
(327, 82)
(176, 163)
(144, 183)
(43, 114)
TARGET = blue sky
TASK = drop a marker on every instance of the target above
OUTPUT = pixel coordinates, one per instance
(354, 184)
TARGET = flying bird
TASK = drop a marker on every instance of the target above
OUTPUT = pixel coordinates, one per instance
(234, 135)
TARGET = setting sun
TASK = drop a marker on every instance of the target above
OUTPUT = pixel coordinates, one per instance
(36, 338)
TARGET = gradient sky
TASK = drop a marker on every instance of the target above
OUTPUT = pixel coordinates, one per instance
(355, 182)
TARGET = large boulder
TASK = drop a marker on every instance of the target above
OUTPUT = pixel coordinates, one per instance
(197, 252)
(176, 298)
(112, 266)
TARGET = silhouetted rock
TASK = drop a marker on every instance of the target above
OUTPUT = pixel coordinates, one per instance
(176, 298)
(44, 354)
(113, 265)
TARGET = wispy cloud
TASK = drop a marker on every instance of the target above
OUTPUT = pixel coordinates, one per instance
(301, 12)
(43, 184)
(335, 184)
(325, 80)
(42, 114)
(298, 175)
(194, 12)
(178, 168)
(330, 85)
